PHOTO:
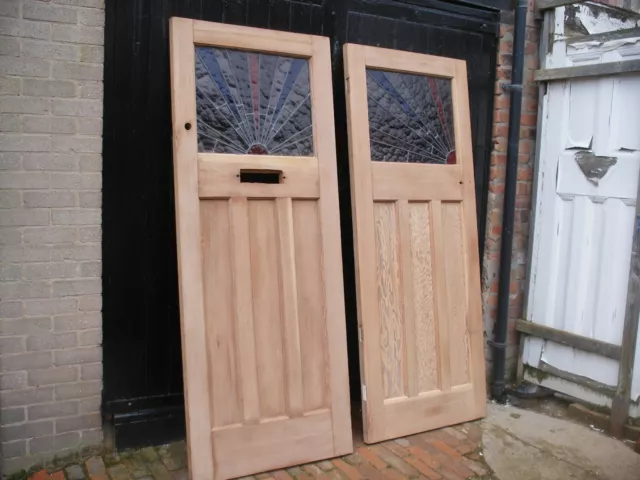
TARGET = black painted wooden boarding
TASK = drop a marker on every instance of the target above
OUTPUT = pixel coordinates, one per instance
(142, 359)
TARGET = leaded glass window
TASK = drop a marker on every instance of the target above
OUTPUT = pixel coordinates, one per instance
(252, 103)
(410, 118)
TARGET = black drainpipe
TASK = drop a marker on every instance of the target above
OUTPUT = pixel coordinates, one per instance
(511, 175)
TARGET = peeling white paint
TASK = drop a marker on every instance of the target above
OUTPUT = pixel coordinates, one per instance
(584, 214)
(595, 20)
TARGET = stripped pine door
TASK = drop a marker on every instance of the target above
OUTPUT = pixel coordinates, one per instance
(416, 244)
(261, 296)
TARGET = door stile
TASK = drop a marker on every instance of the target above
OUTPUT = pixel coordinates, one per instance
(470, 233)
(322, 106)
(364, 250)
(188, 233)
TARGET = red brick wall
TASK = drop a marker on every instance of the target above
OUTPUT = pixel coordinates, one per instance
(524, 186)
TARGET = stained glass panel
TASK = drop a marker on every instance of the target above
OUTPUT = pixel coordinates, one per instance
(252, 103)
(410, 118)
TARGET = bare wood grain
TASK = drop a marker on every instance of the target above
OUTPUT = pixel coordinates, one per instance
(322, 111)
(243, 297)
(192, 320)
(364, 244)
(420, 227)
(390, 304)
(256, 39)
(289, 308)
(220, 317)
(267, 315)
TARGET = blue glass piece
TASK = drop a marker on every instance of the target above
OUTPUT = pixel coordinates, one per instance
(410, 118)
(252, 103)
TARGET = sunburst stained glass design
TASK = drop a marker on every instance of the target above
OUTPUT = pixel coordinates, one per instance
(410, 118)
(252, 103)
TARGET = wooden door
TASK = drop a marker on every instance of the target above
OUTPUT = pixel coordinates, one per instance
(261, 294)
(416, 244)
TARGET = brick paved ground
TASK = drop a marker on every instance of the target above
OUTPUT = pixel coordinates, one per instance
(453, 453)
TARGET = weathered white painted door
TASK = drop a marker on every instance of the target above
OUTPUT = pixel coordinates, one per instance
(587, 177)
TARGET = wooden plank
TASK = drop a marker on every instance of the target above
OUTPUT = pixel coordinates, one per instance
(570, 339)
(221, 179)
(311, 304)
(409, 62)
(439, 267)
(364, 247)
(192, 319)
(289, 305)
(410, 181)
(621, 399)
(581, 71)
(434, 409)
(267, 312)
(390, 304)
(243, 296)
(218, 288)
(424, 310)
(464, 155)
(256, 39)
(600, 387)
(325, 144)
(549, 4)
(274, 444)
(408, 295)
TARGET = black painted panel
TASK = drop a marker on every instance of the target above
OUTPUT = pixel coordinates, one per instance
(142, 359)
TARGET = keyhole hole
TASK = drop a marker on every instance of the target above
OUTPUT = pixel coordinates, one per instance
(187, 126)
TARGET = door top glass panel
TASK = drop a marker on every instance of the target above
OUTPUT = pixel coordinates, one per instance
(410, 118)
(252, 103)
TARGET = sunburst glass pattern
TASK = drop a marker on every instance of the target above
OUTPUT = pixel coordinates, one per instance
(252, 103)
(410, 118)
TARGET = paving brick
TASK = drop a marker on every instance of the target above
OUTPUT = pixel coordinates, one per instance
(422, 467)
(136, 466)
(74, 472)
(349, 471)
(476, 467)
(159, 471)
(372, 458)
(281, 475)
(443, 447)
(96, 469)
(394, 461)
(119, 472)
(173, 455)
(396, 448)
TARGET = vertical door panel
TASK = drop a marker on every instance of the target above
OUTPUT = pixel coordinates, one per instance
(260, 280)
(415, 232)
